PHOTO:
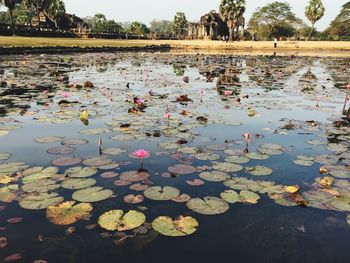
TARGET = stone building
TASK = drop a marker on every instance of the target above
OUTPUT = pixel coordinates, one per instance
(211, 27)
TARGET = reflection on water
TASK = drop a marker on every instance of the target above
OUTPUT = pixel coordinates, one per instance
(232, 114)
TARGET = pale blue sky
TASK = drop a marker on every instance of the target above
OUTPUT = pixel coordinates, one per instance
(146, 10)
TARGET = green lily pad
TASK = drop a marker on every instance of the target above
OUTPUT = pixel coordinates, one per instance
(8, 193)
(237, 152)
(249, 197)
(41, 201)
(48, 139)
(230, 196)
(78, 183)
(271, 146)
(181, 226)
(259, 170)
(11, 168)
(207, 156)
(227, 167)
(116, 220)
(92, 194)
(267, 151)
(257, 156)
(113, 151)
(341, 203)
(40, 186)
(46, 173)
(94, 131)
(237, 159)
(161, 193)
(303, 162)
(216, 147)
(208, 205)
(214, 176)
(81, 172)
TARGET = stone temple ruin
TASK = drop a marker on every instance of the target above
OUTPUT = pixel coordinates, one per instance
(211, 27)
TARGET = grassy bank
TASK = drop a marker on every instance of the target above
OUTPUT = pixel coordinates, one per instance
(177, 44)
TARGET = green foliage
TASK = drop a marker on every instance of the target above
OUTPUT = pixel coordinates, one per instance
(99, 22)
(340, 27)
(162, 27)
(180, 24)
(55, 10)
(137, 28)
(232, 11)
(314, 11)
(274, 20)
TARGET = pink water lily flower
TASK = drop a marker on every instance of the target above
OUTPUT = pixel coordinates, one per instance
(141, 154)
(65, 95)
(228, 93)
(246, 137)
(167, 115)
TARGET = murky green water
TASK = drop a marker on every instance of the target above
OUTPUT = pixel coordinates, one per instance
(233, 188)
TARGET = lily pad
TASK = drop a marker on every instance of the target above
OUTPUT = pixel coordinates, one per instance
(249, 197)
(230, 196)
(4, 156)
(227, 167)
(113, 151)
(67, 213)
(78, 183)
(259, 170)
(81, 172)
(41, 201)
(207, 156)
(208, 205)
(48, 139)
(216, 147)
(134, 176)
(182, 169)
(66, 161)
(237, 159)
(341, 203)
(116, 220)
(61, 150)
(92, 194)
(133, 199)
(75, 142)
(303, 162)
(161, 193)
(257, 156)
(214, 176)
(181, 226)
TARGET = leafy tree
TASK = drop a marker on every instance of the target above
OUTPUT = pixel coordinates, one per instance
(231, 11)
(137, 28)
(112, 26)
(162, 27)
(55, 10)
(314, 11)
(99, 23)
(274, 20)
(340, 27)
(179, 24)
(11, 5)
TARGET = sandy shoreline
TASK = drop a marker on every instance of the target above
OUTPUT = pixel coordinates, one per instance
(312, 48)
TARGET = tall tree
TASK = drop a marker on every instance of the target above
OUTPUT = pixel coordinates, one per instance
(55, 10)
(314, 11)
(99, 23)
(137, 28)
(11, 4)
(179, 24)
(273, 20)
(340, 27)
(162, 27)
(231, 11)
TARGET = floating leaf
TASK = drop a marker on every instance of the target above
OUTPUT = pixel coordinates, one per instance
(230, 196)
(227, 167)
(208, 205)
(182, 169)
(326, 181)
(181, 226)
(161, 193)
(134, 176)
(292, 189)
(117, 220)
(341, 203)
(75, 142)
(133, 199)
(257, 156)
(216, 147)
(259, 170)
(113, 151)
(183, 198)
(195, 182)
(67, 213)
(78, 183)
(92, 194)
(237, 159)
(81, 172)
(4, 156)
(66, 161)
(207, 156)
(97, 161)
(61, 150)
(303, 162)
(40, 186)
(249, 197)
(48, 139)
(214, 176)
(41, 201)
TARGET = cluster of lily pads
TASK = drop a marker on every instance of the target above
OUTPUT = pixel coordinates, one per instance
(177, 138)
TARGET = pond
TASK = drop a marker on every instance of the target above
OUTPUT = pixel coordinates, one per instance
(164, 157)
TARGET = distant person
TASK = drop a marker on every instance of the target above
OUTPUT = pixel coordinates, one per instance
(275, 42)
(223, 38)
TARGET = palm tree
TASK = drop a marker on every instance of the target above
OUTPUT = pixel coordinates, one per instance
(231, 11)
(11, 4)
(314, 11)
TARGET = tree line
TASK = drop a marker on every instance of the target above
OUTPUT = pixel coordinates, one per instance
(272, 20)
